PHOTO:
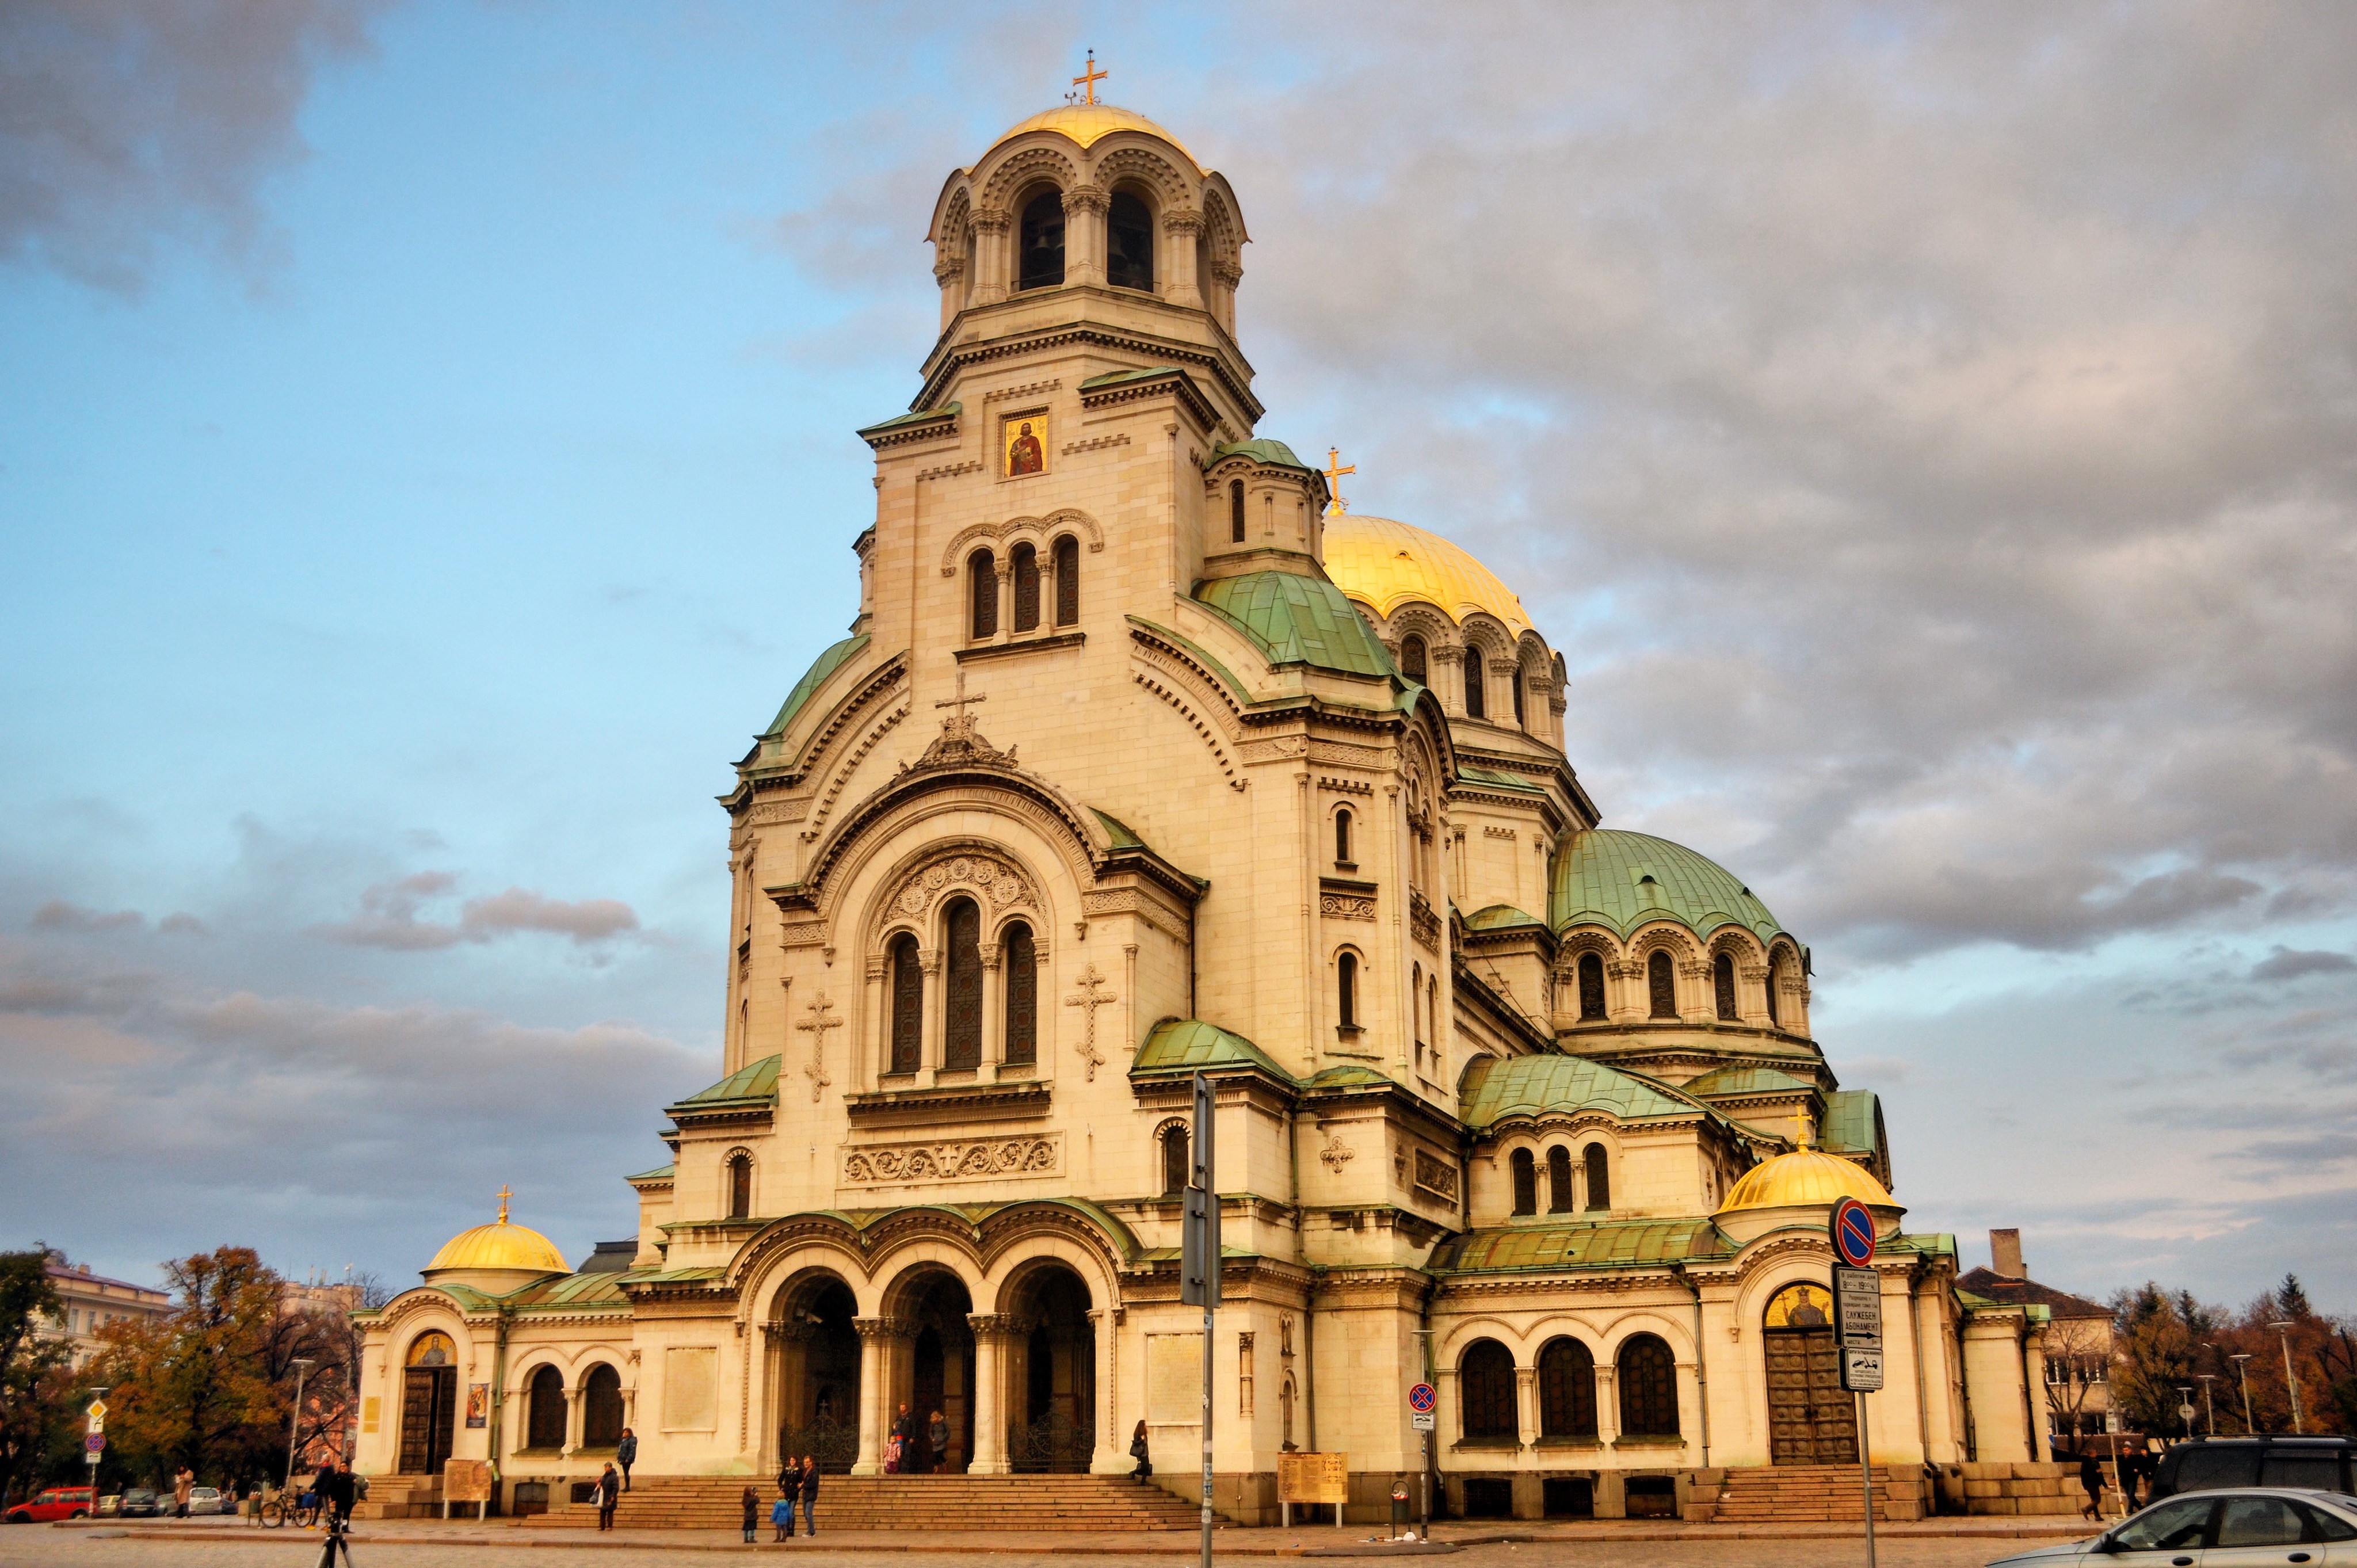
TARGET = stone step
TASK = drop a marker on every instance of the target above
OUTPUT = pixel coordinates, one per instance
(900, 1502)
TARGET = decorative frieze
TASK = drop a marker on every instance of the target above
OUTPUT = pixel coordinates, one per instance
(968, 1160)
(1436, 1176)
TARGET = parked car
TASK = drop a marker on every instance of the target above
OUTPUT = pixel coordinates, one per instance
(2223, 1529)
(54, 1503)
(204, 1499)
(139, 1502)
(2207, 1464)
(110, 1505)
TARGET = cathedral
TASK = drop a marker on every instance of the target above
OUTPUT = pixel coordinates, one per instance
(1145, 758)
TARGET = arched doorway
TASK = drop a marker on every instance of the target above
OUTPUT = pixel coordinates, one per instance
(429, 1403)
(1052, 1380)
(1811, 1421)
(940, 1377)
(818, 1406)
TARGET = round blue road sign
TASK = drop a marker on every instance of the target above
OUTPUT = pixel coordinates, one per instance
(1853, 1232)
(1421, 1399)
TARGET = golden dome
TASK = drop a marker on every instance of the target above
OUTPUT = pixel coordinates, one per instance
(1387, 563)
(501, 1245)
(1806, 1178)
(1089, 123)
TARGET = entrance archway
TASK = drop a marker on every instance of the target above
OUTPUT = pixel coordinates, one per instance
(429, 1404)
(1811, 1420)
(818, 1406)
(1053, 1375)
(933, 1304)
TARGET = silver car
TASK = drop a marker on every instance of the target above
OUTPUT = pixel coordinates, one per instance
(204, 1499)
(2227, 1529)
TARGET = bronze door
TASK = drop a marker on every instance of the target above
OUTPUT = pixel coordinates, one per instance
(429, 1401)
(1810, 1419)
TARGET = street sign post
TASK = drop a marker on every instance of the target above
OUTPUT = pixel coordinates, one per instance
(1199, 1266)
(1853, 1232)
(94, 1445)
(1857, 1328)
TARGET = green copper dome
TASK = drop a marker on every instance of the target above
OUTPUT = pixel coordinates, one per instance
(1606, 877)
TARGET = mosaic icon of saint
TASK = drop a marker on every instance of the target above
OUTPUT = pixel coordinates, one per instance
(1024, 455)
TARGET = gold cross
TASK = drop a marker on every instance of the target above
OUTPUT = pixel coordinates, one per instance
(504, 1196)
(1090, 78)
(1800, 1125)
(1335, 469)
(963, 721)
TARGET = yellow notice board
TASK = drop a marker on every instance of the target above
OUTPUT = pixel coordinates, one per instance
(467, 1481)
(1313, 1477)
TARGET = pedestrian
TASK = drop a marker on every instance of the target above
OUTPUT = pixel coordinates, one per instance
(609, 1497)
(937, 1437)
(782, 1515)
(2091, 1478)
(904, 1433)
(752, 1501)
(1139, 1451)
(184, 1481)
(810, 1494)
(334, 1491)
(2131, 1468)
(626, 1453)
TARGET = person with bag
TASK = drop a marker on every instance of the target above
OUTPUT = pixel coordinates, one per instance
(810, 1494)
(752, 1501)
(1142, 1453)
(609, 1496)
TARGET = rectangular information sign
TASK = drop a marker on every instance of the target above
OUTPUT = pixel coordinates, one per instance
(1420, 1420)
(1858, 1305)
(1861, 1371)
(1313, 1477)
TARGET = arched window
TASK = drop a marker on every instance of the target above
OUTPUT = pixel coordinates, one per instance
(1521, 722)
(1129, 243)
(601, 1408)
(1021, 976)
(544, 1410)
(1235, 511)
(1775, 983)
(982, 584)
(1342, 836)
(1415, 1009)
(1432, 1011)
(1176, 1170)
(1558, 1180)
(1591, 987)
(1025, 563)
(1041, 253)
(1600, 1177)
(740, 1184)
(1722, 987)
(1485, 1387)
(1346, 991)
(1476, 699)
(1649, 1388)
(1413, 658)
(907, 1006)
(1662, 980)
(1526, 1181)
(1566, 1389)
(961, 1001)
(1068, 580)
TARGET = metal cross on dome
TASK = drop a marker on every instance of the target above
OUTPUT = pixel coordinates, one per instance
(504, 1196)
(1090, 78)
(963, 722)
(1335, 469)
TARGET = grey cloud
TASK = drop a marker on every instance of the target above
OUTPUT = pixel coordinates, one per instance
(58, 915)
(388, 917)
(2287, 963)
(518, 909)
(183, 924)
(132, 122)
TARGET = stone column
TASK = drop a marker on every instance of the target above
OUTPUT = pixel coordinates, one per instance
(1225, 275)
(1526, 1405)
(875, 1341)
(877, 998)
(935, 1029)
(1084, 234)
(1448, 1421)
(1608, 1404)
(990, 258)
(994, 1011)
(950, 273)
(572, 1422)
(1111, 1456)
(990, 1333)
(1181, 285)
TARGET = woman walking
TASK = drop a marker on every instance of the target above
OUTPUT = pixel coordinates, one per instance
(626, 1453)
(937, 1438)
(752, 1501)
(1142, 1453)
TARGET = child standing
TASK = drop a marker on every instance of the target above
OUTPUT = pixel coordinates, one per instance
(781, 1516)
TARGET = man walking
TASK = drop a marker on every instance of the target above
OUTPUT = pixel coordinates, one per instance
(810, 1494)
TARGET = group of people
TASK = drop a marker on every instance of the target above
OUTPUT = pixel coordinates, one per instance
(797, 1479)
(2135, 1468)
(900, 1456)
(611, 1485)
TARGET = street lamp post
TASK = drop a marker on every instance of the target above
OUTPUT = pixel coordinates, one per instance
(295, 1421)
(2243, 1374)
(2209, 1400)
(2283, 1331)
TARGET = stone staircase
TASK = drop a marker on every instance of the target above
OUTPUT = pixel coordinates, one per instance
(898, 1502)
(1813, 1494)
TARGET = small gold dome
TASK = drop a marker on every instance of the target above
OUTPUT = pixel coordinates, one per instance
(1388, 563)
(501, 1245)
(1806, 1178)
(1089, 123)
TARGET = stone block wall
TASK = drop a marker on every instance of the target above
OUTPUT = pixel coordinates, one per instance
(2016, 1488)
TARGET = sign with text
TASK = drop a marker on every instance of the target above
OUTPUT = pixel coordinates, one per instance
(1861, 1371)
(1313, 1477)
(1421, 1420)
(1858, 1306)
(467, 1481)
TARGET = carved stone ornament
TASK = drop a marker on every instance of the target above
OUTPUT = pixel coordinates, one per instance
(1091, 996)
(1436, 1176)
(1336, 1153)
(964, 1161)
(994, 879)
(1346, 907)
(818, 1019)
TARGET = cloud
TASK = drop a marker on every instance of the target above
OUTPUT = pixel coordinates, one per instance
(517, 909)
(388, 917)
(133, 122)
(61, 916)
(2285, 963)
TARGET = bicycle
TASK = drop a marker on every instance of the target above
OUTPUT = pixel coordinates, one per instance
(301, 1510)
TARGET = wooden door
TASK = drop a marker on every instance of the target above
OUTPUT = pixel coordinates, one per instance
(1811, 1420)
(429, 1400)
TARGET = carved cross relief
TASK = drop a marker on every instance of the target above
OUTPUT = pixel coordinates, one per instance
(1090, 995)
(820, 1020)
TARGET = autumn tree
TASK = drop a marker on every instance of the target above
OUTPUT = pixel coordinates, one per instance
(29, 1363)
(2159, 1337)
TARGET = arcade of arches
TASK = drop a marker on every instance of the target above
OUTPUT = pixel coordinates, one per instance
(1145, 757)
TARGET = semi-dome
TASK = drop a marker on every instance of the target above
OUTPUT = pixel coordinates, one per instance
(1612, 877)
(1806, 1178)
(501, 1245)
(1088, 123)
(1388, 563)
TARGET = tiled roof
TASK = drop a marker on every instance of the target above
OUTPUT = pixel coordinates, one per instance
(1299, 620)
(1600, 1244)
(1853, 1122)
(754, 1083)
(1498, 918)
(1496, 1089)
(824, 665)
(1260, 450)
(1995, 1287)
(1178, 1046)
(1607, 878)
(1734, 1080)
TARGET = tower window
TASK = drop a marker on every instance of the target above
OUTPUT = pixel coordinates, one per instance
(1041, 254)
(1346, 990)
(1068, 580)
(1558, 1180)
(1415, 1008)
(907, 1006)
(1412, 659)
(1235, 511)
(740, 1186)
(1521, 722)
(1526, 1182)
(1129, 243)
(1722, 985)
(982, 581)
(1022, 979)
(1775, 975)
(961, 1002)
(1591, 987)
(1600, 1177)
(1025, 564)
(1342, 836)
(1662, 983)
(1476, 700)
(1176, 1170)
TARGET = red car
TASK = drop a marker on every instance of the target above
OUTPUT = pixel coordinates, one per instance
(57, 1502)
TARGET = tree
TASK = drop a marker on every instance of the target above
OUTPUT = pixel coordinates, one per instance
(28, 1362)
(2158, 1338)
(2291, 1300)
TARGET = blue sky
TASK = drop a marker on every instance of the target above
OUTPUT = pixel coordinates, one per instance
(425, 459)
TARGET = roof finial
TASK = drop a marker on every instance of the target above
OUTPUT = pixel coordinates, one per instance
(1800, 1122)
(1090, 78)
(504, 1196)
(1335, 469)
